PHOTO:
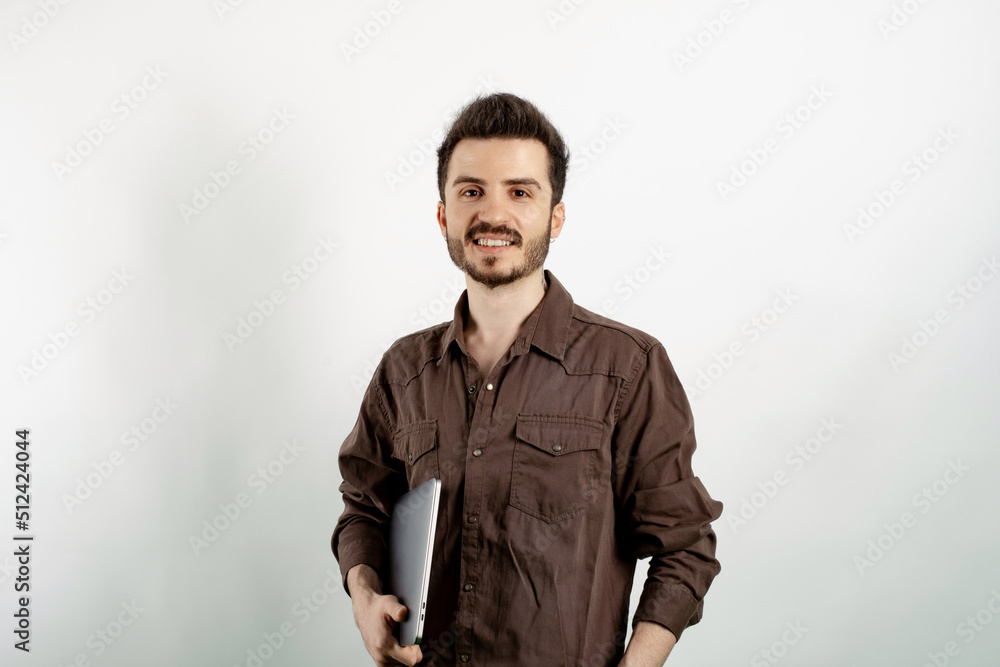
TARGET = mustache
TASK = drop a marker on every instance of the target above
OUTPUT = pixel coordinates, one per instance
(499, 230)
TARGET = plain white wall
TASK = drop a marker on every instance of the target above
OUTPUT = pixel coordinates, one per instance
(660, 103)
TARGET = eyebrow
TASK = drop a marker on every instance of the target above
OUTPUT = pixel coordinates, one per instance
(462, 180)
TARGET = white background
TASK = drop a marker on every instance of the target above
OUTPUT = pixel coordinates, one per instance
(653, 133)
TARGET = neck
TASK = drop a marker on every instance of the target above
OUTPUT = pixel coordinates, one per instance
(497, 314)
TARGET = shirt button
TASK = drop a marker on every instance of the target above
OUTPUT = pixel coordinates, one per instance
(473, 518)
(489, 386)
(477, 452)
(468, 587)
(472, 388)
(464, 657)
(557, 447)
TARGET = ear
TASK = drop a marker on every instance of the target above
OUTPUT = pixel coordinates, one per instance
(558, 218)
(442, 221)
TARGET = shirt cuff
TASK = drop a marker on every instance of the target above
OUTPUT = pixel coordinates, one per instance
(361, 552)
(671, 606)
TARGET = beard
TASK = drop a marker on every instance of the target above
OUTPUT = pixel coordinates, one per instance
(484, 271)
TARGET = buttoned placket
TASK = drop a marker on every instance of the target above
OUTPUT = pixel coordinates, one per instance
(482, 394)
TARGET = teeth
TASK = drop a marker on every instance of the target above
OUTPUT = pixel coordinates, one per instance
(492, 242)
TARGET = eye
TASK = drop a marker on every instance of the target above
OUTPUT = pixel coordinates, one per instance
(520, 193)
(472, 192)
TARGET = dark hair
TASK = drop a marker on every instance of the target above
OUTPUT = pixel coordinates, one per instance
(506, 116)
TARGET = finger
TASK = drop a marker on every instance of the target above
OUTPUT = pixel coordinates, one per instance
(398, 614)
(407, 655)
(390, 606)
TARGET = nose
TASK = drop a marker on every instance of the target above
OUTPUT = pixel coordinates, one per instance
(494, 209)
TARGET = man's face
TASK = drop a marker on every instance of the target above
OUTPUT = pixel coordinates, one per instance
(497, 191)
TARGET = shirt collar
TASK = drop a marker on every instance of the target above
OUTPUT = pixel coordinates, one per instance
(547, 328)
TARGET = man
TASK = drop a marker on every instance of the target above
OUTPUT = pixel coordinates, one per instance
(563, 441)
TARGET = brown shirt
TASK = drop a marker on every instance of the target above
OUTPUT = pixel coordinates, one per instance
(571, 460)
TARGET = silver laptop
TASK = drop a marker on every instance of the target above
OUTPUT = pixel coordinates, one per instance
(411, 547)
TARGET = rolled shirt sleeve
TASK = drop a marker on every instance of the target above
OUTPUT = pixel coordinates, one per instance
(666, 510)
(372, 481)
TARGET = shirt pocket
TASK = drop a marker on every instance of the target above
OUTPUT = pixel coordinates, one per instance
(555, 468)
(415, 444)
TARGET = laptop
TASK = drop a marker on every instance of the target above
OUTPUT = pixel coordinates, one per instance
(411, 547)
